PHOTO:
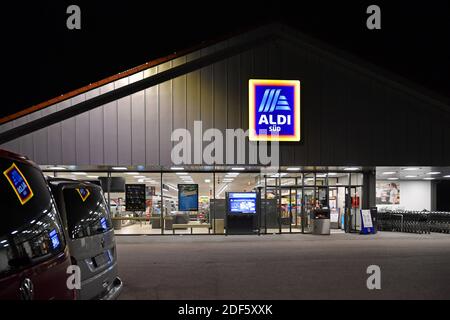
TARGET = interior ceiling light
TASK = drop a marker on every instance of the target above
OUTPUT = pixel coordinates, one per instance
(79, 173)
(411, 177)
(238, 169)
(293, 169)
(132, 173)
(171, 186)
(56, 168)
(332, 174)
(181, 173)
(222, 190)
(207, 181)
(434, 173)
(351, 169)
(140, 177)
(120, 168)
(177, 168)
(428, 178)
(411, 169)
(447, 176)
(276, 175)
(387, 173)
(393, 179)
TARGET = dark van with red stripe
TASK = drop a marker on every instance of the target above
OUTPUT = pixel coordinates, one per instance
(34, 256)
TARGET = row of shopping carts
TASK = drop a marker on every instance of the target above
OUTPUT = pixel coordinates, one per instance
(414, 221)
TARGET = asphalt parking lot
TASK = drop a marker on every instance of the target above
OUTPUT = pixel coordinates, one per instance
(284, 266)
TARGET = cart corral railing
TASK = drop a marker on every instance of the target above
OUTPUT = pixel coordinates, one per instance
(414, 221)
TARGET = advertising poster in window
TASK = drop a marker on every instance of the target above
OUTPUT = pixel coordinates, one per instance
(188, 197)
(388, 193)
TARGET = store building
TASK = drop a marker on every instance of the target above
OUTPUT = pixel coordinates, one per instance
(362, 132)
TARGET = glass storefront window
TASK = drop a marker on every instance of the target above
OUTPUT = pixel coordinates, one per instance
(187, 202)
(227, 182)
(321, 179)
(288, 199)
(128, 220)
(309, 179)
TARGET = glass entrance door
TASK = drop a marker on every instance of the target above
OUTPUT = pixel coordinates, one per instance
(308, 206)
(296, 209)
(291, 210)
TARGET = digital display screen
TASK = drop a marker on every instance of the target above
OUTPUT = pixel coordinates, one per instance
(19, 184)
(103, 223)
(135, 197)
(242, 203)
(55, 239)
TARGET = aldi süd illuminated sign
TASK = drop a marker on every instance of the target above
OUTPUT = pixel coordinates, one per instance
(274, 110)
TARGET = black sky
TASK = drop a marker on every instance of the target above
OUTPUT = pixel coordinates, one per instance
(43, 59)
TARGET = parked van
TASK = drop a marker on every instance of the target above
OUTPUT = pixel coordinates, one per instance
(33, 254)
(90, 235)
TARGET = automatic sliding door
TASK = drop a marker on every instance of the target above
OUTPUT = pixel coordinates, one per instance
(296, 212)
(308, 206)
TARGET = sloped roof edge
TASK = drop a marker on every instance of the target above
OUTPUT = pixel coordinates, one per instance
(280, 30)
(118, 76)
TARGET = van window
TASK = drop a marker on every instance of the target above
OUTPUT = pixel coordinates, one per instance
(30, 231)
(86, 212)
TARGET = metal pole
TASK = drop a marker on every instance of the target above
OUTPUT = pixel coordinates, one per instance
(215, 203)
(265, 204)
(278, 179)
(162, 205)
(108, 188)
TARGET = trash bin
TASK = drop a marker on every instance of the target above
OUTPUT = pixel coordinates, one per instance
(168, 223)
(321, 222)
(117, 224)
(156, 222)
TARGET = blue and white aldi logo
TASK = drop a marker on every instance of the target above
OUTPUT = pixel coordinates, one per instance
(274, 110)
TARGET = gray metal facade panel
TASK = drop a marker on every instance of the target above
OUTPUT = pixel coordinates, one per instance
(179, 94)
(206, 101)
(124, 138)
(40, 143)
(179, 98)
(152, 122)
(55, 141)
(138, 124)
(109, 123)
(68, 137)
(220, 99)
(22, 144)
(166, 119)
(233, 93)
(12, 145)
(193, 86)
(96, 130)
(123, 127)
(82, 134)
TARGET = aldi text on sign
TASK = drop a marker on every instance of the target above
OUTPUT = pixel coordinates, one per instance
(274, 110)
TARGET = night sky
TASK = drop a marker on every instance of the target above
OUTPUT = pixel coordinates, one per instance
(43, 59)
